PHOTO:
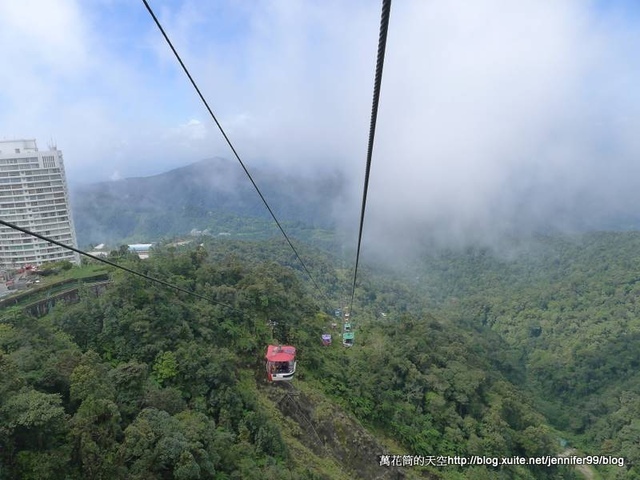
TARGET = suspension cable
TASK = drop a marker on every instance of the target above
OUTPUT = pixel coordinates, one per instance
(235, 153)
(382, 44)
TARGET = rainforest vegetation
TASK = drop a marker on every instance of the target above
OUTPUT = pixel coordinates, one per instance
(523, 351)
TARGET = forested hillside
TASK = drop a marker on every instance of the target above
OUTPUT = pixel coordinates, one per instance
(211, 195)
(567, 311)
(142, 382)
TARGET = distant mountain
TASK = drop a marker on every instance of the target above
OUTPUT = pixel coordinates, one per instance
(212, 194)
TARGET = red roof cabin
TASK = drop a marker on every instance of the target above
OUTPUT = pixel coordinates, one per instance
(281, 362)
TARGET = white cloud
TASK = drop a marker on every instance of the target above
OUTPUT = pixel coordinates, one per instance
(42, 33)
(491, 117)
(192, 130)
(491, 111)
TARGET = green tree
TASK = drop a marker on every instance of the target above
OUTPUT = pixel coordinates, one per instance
(165, 367)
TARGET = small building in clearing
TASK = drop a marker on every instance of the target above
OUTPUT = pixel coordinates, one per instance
(142, 249)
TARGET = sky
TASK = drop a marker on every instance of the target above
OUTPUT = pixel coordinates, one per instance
(495, 116)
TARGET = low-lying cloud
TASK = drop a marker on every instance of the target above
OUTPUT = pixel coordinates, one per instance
(508, 118)
(496, 117)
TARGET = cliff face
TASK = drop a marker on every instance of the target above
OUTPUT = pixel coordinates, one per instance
(326, 433)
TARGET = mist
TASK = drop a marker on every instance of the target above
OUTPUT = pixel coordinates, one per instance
(496, 118)
(511, 119)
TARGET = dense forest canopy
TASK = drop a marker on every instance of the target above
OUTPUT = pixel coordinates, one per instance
(464, 353)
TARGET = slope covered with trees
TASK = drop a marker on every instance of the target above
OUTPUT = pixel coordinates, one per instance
(141, 382)
(566, 311)
(211, 195)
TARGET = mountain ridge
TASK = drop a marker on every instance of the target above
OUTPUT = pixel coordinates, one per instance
(208, 194)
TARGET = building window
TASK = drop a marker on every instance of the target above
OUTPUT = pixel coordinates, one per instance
(48, 161)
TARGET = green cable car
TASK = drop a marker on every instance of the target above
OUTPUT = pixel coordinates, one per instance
(348, 336)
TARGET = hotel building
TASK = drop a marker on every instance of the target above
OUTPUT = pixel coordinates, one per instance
(33, 195)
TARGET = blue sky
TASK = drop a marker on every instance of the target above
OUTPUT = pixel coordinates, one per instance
(482, 102)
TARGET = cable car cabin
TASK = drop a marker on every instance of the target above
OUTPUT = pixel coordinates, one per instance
(280, 362)
(326, 339)
(348, 338)
(347, 327)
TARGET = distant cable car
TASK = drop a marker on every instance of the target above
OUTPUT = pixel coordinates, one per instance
(280, 362)
(326, 339)
(348, 338)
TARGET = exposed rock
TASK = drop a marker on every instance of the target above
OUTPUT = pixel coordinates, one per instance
(328, 431)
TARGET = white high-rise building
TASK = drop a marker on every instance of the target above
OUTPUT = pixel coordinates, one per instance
(33, 195)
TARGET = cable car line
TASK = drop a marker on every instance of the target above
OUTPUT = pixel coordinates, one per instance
(235, 153)
(280, 359)
(108, 262)
(382, 45)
